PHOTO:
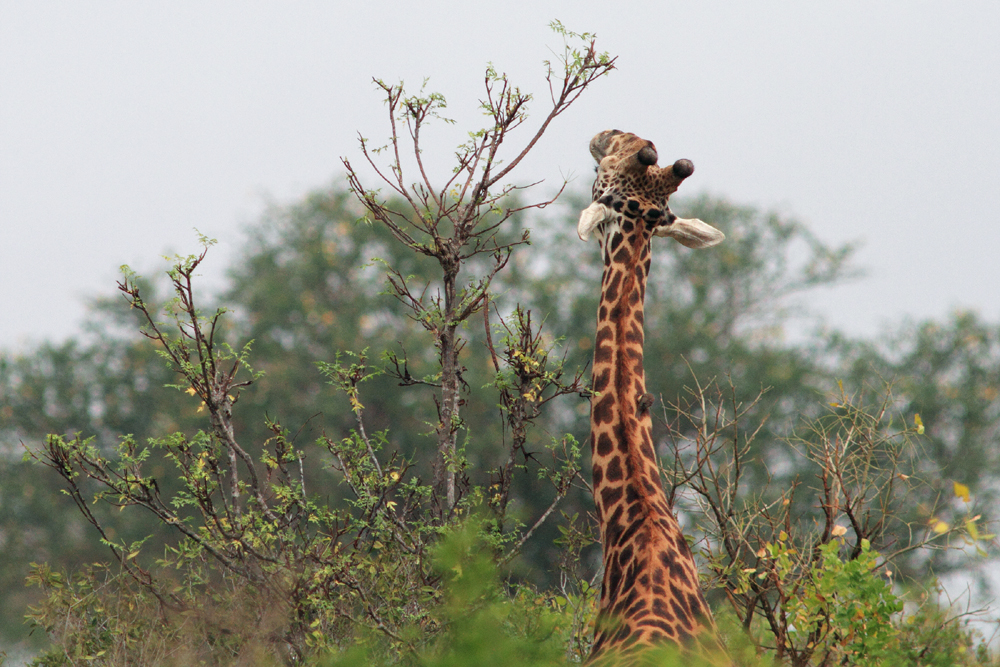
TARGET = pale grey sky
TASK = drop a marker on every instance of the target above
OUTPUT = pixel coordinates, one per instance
(123, 125)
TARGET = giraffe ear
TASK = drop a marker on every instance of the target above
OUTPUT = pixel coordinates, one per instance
(599, 144)
(691, 232)
(590, 218)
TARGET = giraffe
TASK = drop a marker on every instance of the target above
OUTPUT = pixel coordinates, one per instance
(650, 592)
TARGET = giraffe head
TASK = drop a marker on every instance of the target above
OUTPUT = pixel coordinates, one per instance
(629, 184)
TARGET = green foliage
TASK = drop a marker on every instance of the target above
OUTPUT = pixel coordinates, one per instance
(932, 637)
(101, 629)
(842, 607)
(482, 622)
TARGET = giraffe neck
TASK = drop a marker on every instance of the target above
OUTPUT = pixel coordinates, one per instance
(620, 422)
(650, 592)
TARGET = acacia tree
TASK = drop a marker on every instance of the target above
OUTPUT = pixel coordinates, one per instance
(458, 222)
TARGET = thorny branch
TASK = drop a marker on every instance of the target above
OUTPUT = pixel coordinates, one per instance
(858, 459)
(461, 220)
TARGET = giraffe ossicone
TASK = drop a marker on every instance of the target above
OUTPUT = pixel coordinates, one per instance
(650, 592)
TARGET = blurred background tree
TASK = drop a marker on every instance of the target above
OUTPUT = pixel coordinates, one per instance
(305, 286)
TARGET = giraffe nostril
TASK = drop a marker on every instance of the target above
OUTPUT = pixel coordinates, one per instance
(683, 168)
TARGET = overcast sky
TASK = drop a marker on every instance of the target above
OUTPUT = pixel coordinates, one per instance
(123, 125)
